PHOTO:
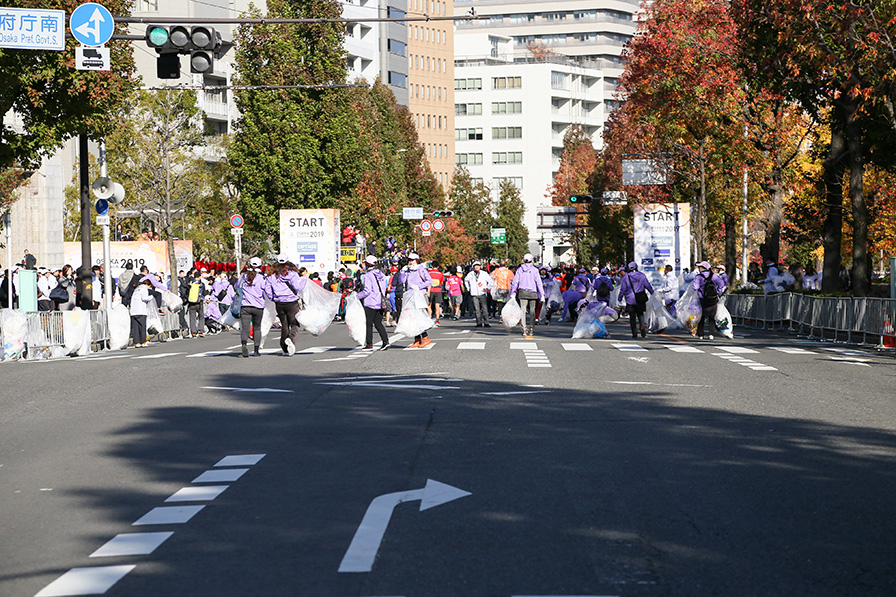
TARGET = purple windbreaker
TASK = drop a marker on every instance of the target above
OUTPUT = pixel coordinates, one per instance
(376, 286)
(275, 287)
(253, 295)
(633, 282)
(527, 278)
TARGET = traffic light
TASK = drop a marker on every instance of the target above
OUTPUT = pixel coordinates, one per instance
(200, 42)
(447, 213)
(577, 199)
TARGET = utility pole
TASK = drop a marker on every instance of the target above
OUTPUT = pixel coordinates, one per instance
(85, 275)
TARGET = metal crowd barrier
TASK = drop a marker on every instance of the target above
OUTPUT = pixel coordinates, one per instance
(45, 329)
(866, 320)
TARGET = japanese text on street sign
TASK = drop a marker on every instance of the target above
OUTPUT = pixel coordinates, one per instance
(412, 213)
(32, 29)
(499, 236)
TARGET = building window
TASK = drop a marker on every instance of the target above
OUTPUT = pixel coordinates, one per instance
(396, 13)
(473, 159)
(507, 132)
(507, 157)
(516, 181)
(558, 81)
(507, 107)
(468, 134)
(397, 47)
(467, 84)
(398, 79)
(507, 82)
(467, 109)
(147, 6)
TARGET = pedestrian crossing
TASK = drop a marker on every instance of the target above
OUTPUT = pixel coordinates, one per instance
(536, 354)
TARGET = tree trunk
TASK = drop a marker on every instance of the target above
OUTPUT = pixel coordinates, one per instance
(857, 199)
(731, 234)
(701, 207)
(771, 248)
(833, 222)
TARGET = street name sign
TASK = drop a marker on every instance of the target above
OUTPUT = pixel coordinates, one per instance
(412, 213)
(499, 236)
(32, 29)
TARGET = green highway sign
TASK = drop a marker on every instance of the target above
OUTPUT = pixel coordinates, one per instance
(499, 236)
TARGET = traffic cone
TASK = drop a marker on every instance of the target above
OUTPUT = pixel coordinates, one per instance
(889, 336)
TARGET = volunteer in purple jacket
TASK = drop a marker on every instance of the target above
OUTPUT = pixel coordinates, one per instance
(251, 283)
(529, 292)
(372, 296)
(709, 287)
(602, 286)
(577, 290)
(634, 287)
(283, 287)
(417, 277)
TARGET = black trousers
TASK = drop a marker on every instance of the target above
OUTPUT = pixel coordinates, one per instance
(289, 326)
(636, 312)
(250, 317)
(709, 312)
(375, 320)
(138, 329)
(480, 308)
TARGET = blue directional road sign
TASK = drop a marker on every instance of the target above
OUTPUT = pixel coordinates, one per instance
(92, 24)
(102, 207)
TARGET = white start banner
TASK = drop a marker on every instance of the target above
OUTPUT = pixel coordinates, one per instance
(662, 237)
(311, 238)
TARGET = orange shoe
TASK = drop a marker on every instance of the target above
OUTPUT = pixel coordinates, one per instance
(416, 344)
(425, 342)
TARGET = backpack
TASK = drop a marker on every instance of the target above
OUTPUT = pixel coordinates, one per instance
(129, 292)
(603, 289)
(195, 289)
(710, 292)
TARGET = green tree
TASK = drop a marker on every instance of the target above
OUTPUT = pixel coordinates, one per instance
(509, 215)
(153, 155)
(278, 152)
(473, 209)
(52, 100)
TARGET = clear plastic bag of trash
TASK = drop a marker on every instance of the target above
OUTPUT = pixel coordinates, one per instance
(76, 332)
(320, 309)
(588, 324)
(414, 320)
(688, 309)
(723, 321)
(355, 319)
(658, 318)
(119, 327)
(511, 314)
(13, 329)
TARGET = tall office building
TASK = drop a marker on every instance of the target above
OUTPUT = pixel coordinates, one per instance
(511, 117)
(591, 30)
(431, 83)
(377, 49)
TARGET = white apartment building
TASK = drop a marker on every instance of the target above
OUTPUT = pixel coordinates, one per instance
(511, 117)
(589, 30)
(378, 49)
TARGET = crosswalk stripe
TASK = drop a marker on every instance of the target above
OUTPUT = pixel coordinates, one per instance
(523, 346)
(631, 347)
(576, 347)
(471, 346)
(737, 349)
(158, 356)
(791, 350)
(680, 348)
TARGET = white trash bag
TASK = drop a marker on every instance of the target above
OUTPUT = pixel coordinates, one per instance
(268, 317)
(658, 318)
(355, 319)
(511, 314)
(555, 299)
(320, 309)
(13, 329)
(723, 321)
(76, 331)
(414, 320)
(688, 309)
(588, 324)
(229, 320)
(614, 299)
(171, 301)
(119, 327)
(609, 315)
(154, 323)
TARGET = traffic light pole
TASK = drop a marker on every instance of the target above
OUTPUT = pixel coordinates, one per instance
(85, 275)
(107, 252)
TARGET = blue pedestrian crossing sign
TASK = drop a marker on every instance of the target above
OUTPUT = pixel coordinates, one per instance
(92, 24)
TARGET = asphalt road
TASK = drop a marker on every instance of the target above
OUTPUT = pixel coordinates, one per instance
(764, 465)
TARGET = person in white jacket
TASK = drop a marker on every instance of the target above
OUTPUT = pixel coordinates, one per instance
(670, 287)
(478, 284)
(140, 305)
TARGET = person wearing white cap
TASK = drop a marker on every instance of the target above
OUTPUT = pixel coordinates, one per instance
(709, 287)
(284, 287)
(251, 288)
(374, 298)
(529, 291)
(418, 277)
(478, 284)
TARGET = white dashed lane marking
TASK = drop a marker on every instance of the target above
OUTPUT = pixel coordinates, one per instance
(471, 346)
(85, 581)
(630, 347)
(683, 348)
(221, 475)
(572, 347)
(197, 494)
(131, 544)
(791, 350)
(168, 515)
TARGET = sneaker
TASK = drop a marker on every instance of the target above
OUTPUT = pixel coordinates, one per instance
(416, 344)
(486, 325)
(385, 347)
(711, 337)
(368, 347)
(438, 324)
(644, 332)
(245, 351)
(425, 342)
(290, 347)
(256, 353)
(478, 325)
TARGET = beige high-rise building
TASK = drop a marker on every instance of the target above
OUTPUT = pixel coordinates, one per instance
(431, 83)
